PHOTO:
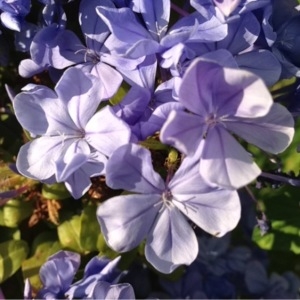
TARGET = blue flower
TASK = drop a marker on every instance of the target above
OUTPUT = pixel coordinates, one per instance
(73, 142)
(223, 100)
(13, 13)
(159, 211)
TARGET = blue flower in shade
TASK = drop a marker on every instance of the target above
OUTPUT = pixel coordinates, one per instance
(72, 142)
(159, 211)
(57, 274)
(285, 286)
(13, 13)
(280, 25)
(100, 274)
(220, 101)
(228, 8)
(97, 269)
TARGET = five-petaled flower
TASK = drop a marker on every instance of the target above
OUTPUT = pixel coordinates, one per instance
(160, 211)
(73, 142)
(219, 101)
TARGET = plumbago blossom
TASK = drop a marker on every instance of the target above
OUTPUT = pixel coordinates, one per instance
(99, 281)
(13, 12)
(225, 9)
(198, 81)
(221, 101)
(72, 141)
(159, 211)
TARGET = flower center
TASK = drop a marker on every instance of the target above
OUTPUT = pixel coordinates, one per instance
(92, 56)
(89, 55)
(211, 120)
(167, 198)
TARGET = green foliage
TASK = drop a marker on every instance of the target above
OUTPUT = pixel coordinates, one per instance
(69, 234)
(15, 211)
(291, 157)
(12, 254)
(154, 144)
(55, 191)
(89, 235)
(44, 245)
(283, 209)
(121, 93)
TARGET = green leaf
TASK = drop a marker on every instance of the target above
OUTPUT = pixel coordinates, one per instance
(89, 229)
(290, 157)
(43, 246)
(154, 144)
(69, 234)
(15, 211)
(283, 210)
(55, 191)
(12, 254)
(121, 93)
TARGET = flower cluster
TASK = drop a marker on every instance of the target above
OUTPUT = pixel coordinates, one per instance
(98, 282)
(197, 83)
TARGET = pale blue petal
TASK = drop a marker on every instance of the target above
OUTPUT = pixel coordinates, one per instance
(187, 179)
(59, 271)
(78, 183)
(28, 68)
(222, 57)
(27, 104)
(224, 162)
(272, 133)
(128, 37)
(75, 156)
(104, 290)
(143, 75)
(242, 33)
(95, 165)
(106, 132)
(198, 85)
(241, 93)
(36, 158)
(109, 79)
(40, 111)
(209, 88)
(82, 99)
(10, 21)
(183, 131)
(227, 6)
(156, 15)
(262, 63)
(157, 118)
(98, 268)
(120, 291)
(217, 212)
(126, 220)
(195, 27)
(100, 290)
(92, 26)
(172, 241)
(56, 47)
(133, 105)
(130, 168)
